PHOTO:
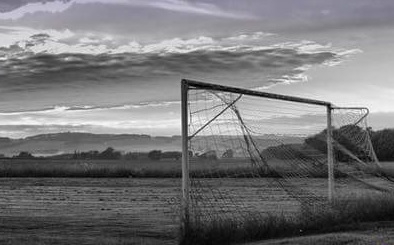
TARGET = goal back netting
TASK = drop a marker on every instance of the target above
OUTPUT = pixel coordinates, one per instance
(249, 155)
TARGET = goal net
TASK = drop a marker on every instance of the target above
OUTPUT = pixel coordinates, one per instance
(250, 155)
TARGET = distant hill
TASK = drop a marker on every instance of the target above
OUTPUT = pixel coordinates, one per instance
(52, 144)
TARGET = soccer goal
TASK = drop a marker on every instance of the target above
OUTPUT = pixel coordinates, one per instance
(250, 155)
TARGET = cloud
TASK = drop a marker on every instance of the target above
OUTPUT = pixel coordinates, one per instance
(161, 118)
(19, 10)
(43, 68)
(30, 8)
(10, 5)
(154, 117)
(46, 54)
(17, 39)
(197, 8)
(258, 66)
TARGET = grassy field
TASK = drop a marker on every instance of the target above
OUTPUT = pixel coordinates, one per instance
(139, 168)
(388, 167)
(109, 168)
(89, 168)
(146, 168)
(378, 233)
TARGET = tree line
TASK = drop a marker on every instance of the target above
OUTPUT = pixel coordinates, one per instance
(107, 154)
(382, 142)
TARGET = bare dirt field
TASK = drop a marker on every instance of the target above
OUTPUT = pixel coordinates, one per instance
(111, 210)
(88, 211)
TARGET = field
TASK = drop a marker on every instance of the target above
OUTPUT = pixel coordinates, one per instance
(88, 211)
(388, 167)
(381, 233)
(113, 210)
(89, 168)
(129, 168)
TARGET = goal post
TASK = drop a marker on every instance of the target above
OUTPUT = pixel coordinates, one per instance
(249, 155)
(185, 156)
(330, 155)
(187, 85)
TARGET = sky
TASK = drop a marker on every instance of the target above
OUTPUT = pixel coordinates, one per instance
(115, 66)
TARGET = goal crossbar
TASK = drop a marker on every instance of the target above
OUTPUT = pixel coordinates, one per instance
(217, 87)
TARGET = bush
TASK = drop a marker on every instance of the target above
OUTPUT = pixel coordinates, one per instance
(110, 153)
(155, 155)
(24, 155)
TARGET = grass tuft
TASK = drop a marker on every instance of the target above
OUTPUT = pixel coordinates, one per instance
(344, 214)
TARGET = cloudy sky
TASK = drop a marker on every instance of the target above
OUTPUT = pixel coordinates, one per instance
(114, 66)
